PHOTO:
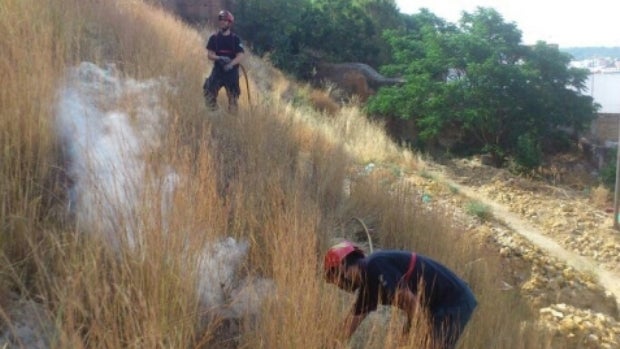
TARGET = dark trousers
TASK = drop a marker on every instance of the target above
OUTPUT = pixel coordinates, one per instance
(218, 79)
(449, 321)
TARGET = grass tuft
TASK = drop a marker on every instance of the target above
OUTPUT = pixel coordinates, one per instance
(478, 209)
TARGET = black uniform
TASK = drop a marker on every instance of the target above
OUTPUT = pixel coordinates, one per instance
(225, 46)
(448, 299)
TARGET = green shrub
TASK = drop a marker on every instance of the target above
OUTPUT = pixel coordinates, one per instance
(479, 209)
(528, 153)
(608, 172)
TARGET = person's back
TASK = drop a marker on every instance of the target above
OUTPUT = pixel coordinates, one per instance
(382, 274)
(441, 285)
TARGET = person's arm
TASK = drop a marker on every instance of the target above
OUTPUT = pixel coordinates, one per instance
(212, 56)
(238, 58)
(407, 301)
(224, 61)
(351, 323)
(239, 55)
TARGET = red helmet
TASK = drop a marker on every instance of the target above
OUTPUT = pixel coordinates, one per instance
(226, 15)
(337, 253)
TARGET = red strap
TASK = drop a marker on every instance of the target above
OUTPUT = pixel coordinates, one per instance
(407, 275)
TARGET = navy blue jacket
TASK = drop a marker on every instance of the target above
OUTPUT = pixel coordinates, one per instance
(383, 272)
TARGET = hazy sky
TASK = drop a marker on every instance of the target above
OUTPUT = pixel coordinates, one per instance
(567, 23)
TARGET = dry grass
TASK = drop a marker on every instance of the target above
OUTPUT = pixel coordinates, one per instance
(323, 102)
(273, 176)
(601, 196)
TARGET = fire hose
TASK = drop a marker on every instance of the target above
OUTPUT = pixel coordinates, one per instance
(247, 84)
(366, 231)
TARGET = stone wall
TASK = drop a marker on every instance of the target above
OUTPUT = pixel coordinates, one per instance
(605, 128)
(597, 144)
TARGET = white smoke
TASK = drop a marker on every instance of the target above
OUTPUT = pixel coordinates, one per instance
(221, 285)
(107, 125)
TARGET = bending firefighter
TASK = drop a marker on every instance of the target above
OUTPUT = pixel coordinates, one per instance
(403, 279)
(226, 51)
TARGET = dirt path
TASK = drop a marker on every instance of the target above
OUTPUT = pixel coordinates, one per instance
(608, 279)
(556, 240)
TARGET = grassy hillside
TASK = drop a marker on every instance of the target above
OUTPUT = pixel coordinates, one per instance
(279, 176)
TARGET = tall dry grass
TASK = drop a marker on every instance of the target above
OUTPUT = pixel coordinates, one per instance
(34, 49)
(273, 175)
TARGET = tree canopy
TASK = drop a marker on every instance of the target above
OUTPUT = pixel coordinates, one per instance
(478, 78)
(472, 81)
(296, 32)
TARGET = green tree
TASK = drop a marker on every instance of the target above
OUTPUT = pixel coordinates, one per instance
(268, 24)
(503, 97)
(383, 14)
(339, 30)
(272, 28)
(295, 33)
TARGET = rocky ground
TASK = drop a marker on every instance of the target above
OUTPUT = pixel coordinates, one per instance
(555, 233)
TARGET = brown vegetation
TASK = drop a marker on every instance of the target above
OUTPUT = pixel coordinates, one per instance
(354, 79)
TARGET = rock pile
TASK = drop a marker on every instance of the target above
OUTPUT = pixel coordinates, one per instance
(580, 328)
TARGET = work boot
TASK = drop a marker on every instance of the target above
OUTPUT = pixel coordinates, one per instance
(210, 100)
(233, 104)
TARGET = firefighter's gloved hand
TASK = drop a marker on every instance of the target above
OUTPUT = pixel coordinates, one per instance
(228, 67)
(223, 60)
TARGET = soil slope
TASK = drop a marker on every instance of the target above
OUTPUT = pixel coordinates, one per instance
(559, 241)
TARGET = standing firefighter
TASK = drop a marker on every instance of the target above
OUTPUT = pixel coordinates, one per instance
(405, 280)
(226, 51)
